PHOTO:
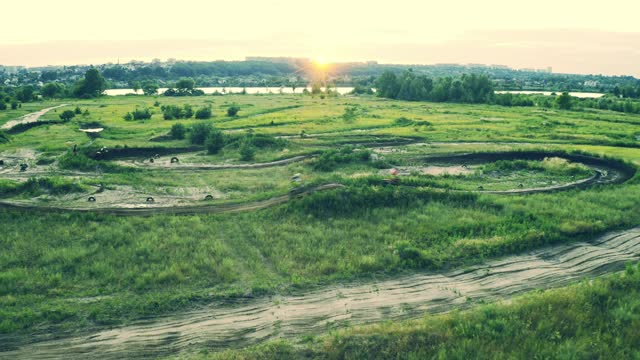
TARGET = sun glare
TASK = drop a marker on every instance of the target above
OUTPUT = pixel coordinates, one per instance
(320, 63)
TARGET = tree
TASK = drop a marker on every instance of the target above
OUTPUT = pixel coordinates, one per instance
(185, 84)
(150, 88)
(215, 141)
(564, 101)
(24, 94)
(135, 86)
(178, 131)
(387, 85)
(93, 85)
(67, 115)
(316, 89)
(52, 90)
(77, 110)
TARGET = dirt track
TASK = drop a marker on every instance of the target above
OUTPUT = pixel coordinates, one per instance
(252, 321)
(182, 210)
(29, 118)
(606, 172)
(166, 163)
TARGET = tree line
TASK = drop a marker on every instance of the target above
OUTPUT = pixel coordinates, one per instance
(469, 88)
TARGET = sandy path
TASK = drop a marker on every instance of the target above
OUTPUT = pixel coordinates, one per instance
(29, 118)
(252, 321)
(166, 163)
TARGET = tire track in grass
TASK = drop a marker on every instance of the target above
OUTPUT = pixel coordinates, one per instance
(251, 321)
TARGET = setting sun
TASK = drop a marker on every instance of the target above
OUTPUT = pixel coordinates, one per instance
(320, 63)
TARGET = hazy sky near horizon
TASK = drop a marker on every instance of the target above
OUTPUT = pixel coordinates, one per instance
(570, 36)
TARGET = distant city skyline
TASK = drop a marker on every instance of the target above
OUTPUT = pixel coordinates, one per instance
(570, 37)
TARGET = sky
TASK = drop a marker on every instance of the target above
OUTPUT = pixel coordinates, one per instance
(569, 36)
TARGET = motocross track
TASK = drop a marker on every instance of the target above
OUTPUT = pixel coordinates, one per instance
(241, 322)
(251, 321)
(29, 118)
(605, 172)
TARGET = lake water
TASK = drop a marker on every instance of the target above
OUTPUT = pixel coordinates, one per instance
(575, 94)
(341, 90)
(233, 90)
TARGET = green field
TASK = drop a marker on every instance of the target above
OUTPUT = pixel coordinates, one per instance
(73, 272)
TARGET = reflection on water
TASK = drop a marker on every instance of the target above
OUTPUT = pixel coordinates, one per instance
(233, 90)
(576, 94)
(341, 91)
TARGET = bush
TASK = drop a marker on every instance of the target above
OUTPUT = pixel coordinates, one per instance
(204, 113)
(141, 114)
(178, 131)
(403, 121)
(350, 113)
(4, 138)
(67, 115)
(172, 112)
(128, 117)
(39, 186)
(3, 105)
(233, 110)
(77, 110)
(328, 160)
(200, 132)
(215, 141)
(247, 152)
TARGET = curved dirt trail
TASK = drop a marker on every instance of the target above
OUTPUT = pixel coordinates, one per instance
(179, 166)
(252, 321)
(174, 210)
(29, 118)
(604, 173)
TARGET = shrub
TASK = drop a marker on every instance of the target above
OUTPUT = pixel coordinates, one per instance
(233, 110)
(39, 186)
(403, 121)
(128, 117)
(204, 113)
(215, 141)
(172, 112)
(77, 110)
(200, 132)
(4, 138)
(328, 160)
(247, 152)
(141, 114)
(178, 131)
(350, 113)
(67, 115)
(3, 105)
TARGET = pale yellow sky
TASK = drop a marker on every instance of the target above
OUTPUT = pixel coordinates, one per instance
(570, 36)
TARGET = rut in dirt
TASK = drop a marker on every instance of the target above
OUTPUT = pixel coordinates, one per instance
(248, 322)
